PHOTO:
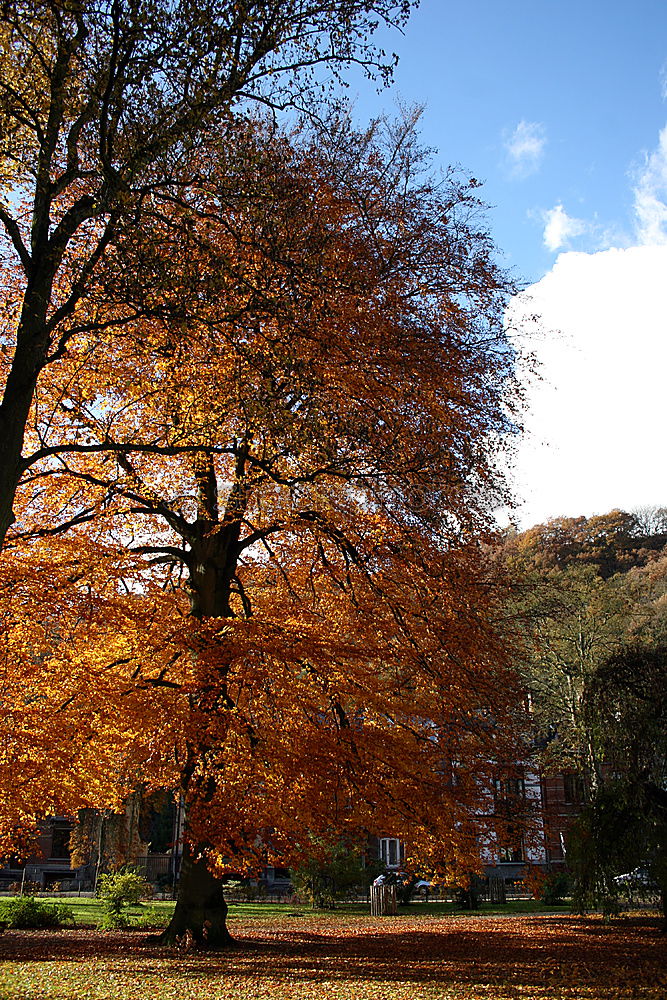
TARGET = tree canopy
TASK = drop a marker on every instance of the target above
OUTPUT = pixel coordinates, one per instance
(103, 106)
(585, 589)
(260, 478)
(590, 594)
(625, 826)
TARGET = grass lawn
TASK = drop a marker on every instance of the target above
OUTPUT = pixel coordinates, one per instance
(315, 956)
(88, 912)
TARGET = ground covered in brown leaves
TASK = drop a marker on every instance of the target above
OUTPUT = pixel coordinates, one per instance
(359, 958)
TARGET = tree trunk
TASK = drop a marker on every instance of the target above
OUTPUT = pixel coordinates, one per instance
(32, 343)
(200, 917)
(201, 911)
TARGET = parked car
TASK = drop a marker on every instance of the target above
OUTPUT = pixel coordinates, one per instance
(638, 878)
(423, 886)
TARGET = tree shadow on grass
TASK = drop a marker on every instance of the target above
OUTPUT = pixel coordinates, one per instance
(571, 950)
(566, 952)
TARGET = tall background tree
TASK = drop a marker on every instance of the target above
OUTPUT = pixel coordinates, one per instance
(585, 589)
(591, 593)
(625, 826)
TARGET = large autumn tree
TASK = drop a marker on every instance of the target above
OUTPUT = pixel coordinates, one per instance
(268, 495)
(101, 106)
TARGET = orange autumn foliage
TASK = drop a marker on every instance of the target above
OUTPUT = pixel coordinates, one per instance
(272, 592)
(102, 108)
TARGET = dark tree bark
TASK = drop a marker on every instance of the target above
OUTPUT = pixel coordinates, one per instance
(31, 349)
(201, 909)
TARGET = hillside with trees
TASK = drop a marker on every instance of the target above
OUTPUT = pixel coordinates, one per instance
(591, 600)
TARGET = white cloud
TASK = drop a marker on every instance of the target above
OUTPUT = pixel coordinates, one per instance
(596, 418)
(651, 195)
(597, 325)
(650, 209)
(560, 228)
(525, 148)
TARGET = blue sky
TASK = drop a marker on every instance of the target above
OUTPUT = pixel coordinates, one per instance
(559, 109)
(585, 81)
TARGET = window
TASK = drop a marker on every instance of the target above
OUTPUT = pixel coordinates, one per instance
(390, 851)
(573, 786)
(513, 851)
(60, 840)
(509, 788)
(507, 855)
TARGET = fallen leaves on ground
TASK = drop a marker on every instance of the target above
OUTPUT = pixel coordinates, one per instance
(315, 958)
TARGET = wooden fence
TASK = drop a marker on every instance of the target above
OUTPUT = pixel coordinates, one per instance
(383, 901)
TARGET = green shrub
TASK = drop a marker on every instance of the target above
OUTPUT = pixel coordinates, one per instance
(153, 916)
(117, 891)
(28, 913)
(555, 888)
(26, 888)
(334, 871)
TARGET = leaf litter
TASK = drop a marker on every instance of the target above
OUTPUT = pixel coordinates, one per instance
(357, 958)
